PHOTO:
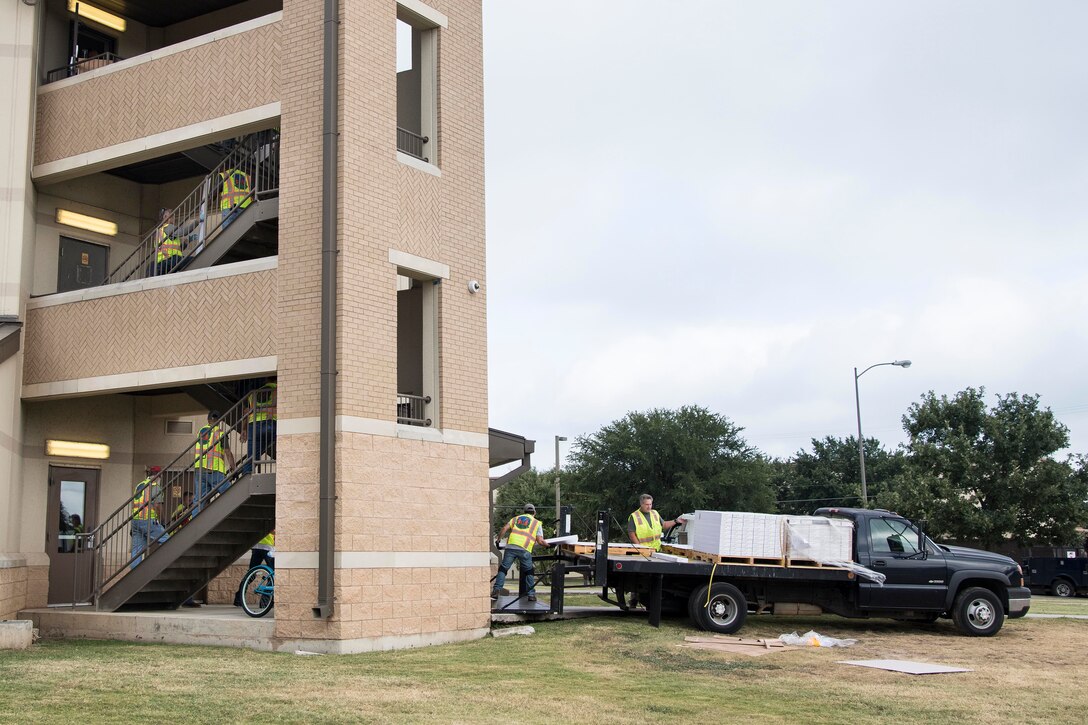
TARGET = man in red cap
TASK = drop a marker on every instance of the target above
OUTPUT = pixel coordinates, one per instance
(146, 514)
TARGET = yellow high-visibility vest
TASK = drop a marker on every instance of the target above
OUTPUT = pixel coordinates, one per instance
(168, 246)
(648, 530)
(269, 540)
(262, 403)
(141, 502)
(523, 532)
(209, 449)
(235, 190)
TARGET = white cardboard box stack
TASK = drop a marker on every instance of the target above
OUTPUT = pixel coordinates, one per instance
(740, 534)
(818, 538)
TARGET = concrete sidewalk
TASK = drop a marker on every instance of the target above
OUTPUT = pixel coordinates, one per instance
(220, 625)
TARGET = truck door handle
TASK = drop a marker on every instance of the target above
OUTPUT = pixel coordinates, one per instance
(880, 562)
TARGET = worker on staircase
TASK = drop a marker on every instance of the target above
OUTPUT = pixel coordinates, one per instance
(146, 514)
(167, 244)
(235, 195)
(213, 459)
(259, 433)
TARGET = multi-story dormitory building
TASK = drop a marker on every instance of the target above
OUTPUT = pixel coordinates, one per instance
(161, 242)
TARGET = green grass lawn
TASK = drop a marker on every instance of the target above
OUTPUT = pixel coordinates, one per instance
(591, 670)
(1058, 605)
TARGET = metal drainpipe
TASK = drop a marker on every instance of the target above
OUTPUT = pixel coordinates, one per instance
(326, 517)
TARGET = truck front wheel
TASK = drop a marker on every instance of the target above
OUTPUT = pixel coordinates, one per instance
(978, 612)
(719, 608)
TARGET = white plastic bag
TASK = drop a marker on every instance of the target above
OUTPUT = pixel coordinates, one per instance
(814, 639)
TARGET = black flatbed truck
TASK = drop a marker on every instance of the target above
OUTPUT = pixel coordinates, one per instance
(976, 589)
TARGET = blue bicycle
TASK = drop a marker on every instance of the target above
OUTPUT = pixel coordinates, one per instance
(258, 590)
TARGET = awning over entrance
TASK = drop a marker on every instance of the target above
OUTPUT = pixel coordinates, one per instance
(507, 448)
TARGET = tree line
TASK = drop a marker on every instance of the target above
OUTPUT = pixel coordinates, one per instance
(976, 473)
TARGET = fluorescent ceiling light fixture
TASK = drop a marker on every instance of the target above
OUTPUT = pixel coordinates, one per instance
(98, 15)
(76, 449)
(90, 223)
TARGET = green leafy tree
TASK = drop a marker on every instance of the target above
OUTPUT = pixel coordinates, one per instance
(985, 475)
(687, 459)
(831, 474)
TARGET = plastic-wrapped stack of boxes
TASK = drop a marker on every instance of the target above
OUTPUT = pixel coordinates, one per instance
(817, 538)
(738, 534)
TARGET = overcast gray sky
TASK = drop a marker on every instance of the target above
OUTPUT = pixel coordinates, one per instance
(733, 204)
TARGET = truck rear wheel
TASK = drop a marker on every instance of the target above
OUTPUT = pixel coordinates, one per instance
(1063, 588)
(725, 611)
(978, 612)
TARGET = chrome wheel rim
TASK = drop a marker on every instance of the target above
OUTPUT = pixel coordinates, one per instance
(722, 610)
(980, 614)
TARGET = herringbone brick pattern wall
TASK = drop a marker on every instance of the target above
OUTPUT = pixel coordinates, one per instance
(229, 318)
(233, 74)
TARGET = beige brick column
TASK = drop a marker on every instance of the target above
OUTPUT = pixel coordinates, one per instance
(411, 511)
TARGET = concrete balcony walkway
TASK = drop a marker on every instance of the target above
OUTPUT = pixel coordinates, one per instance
(218, 625)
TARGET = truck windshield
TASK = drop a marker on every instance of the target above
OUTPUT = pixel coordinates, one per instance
(893, 536)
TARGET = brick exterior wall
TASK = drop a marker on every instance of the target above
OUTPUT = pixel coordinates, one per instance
(161, 328)
(22, 587)
(160, 95)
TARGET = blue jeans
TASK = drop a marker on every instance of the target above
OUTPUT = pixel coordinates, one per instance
(142, 530)
(207, 482)
(525, 561)
(261, 438)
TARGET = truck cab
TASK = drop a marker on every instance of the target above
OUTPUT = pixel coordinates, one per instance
(925, 580)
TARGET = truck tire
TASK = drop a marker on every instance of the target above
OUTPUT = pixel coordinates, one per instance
(726, 611)
(978, 612)
(1063, 588)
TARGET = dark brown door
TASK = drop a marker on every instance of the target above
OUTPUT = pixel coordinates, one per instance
(72, 509)
(81, 264)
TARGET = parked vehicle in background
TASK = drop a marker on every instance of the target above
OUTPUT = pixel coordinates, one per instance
(1062, 576)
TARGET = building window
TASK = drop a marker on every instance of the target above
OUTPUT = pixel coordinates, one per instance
(417, 349)
(417, 81)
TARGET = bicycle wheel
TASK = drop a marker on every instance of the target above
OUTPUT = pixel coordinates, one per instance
(258, 590)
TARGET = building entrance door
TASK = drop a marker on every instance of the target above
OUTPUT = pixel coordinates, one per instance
(72, 509)
(81, 264)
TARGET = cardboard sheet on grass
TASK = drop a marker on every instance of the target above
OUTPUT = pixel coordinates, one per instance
(735, 645)
(905, 666)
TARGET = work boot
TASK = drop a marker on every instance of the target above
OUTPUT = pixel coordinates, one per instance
(532, 597)
(494, 593)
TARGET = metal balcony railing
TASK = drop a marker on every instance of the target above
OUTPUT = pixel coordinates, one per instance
(82, 66)
(136, 527)
(412, 409)
(411, 143)
(182, 232)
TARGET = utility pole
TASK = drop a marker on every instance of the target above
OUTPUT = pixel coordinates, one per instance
(557, 439)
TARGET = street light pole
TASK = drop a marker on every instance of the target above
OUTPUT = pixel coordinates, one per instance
(557, 439)
(861, 439)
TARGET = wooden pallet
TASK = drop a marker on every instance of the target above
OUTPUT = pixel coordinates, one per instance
(807, 564)
(643, 551)
(722, 559)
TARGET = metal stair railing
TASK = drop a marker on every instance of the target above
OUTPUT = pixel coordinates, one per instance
(124, 539)
(199, 218)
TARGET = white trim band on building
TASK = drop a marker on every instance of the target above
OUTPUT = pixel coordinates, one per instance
(386, 428)
(156, 144)
(387, 559)
(161, 378)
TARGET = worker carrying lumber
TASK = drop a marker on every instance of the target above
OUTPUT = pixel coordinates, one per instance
(524, 533)
(644, 525)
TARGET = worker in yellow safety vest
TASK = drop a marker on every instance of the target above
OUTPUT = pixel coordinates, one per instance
(167, 243)
(234, 195)
(146, 514)
(524, 533)
(263, 552)
(213, 459)
(259, 431)
(644, 525)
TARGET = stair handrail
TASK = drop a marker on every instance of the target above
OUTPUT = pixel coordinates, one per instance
(247, 443)
(199, 218)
